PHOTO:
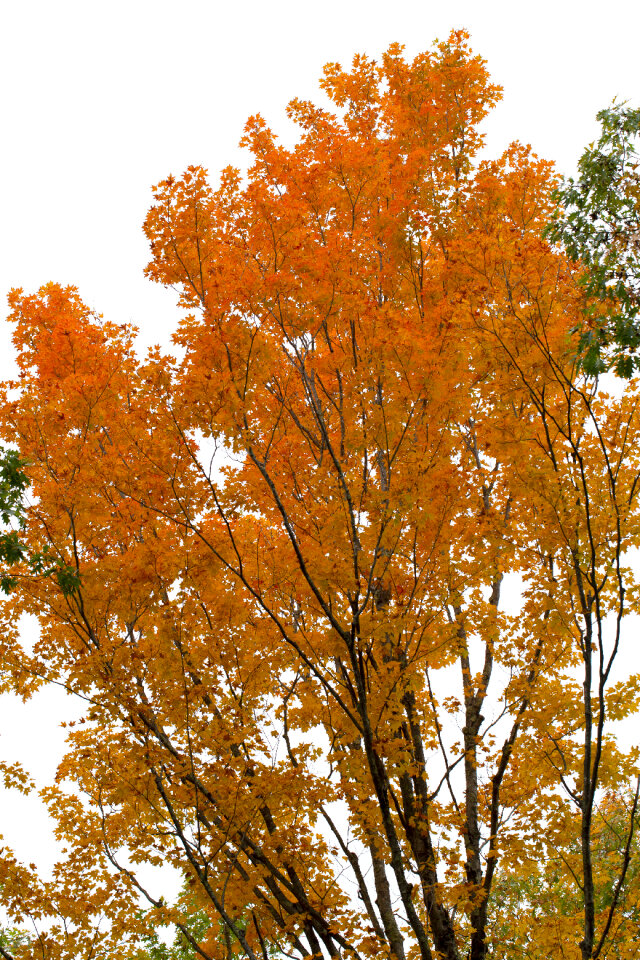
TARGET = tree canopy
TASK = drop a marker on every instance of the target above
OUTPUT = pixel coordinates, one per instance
(350, 571)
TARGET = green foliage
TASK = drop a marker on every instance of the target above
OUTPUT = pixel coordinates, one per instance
(45, 564)
(197, 925)
(13, 483)
(598, 223)
(12, 939)
(13, 486)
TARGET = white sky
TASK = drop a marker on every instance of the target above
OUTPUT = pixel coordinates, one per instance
(100, 100)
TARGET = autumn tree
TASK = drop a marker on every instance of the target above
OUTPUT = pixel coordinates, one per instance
(296, 547)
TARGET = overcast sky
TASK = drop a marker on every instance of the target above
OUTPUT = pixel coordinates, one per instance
(100, 100)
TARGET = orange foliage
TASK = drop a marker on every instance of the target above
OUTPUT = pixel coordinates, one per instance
(291, 543)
